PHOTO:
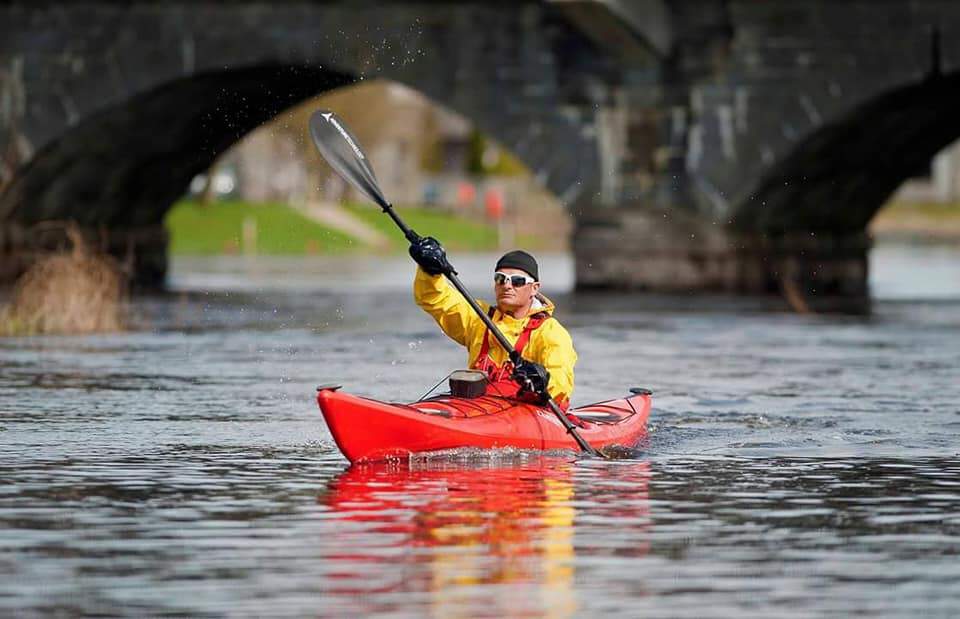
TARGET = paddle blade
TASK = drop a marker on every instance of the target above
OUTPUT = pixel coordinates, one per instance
(342, 151)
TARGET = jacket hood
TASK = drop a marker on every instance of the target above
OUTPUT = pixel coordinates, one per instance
(546, 305)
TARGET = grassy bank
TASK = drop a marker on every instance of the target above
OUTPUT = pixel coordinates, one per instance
(913, 221)
(455, 232)
(218, 228)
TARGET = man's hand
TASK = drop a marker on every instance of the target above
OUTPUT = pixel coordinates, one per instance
(430, 255)
(533, 378)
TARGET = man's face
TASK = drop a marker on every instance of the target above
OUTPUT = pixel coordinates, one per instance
(510, 297)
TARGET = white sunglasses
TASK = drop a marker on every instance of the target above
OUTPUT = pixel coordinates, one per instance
(515, 280)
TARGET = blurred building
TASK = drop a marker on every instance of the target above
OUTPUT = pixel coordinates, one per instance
(422, 153)
(409, 140)
(940, 183)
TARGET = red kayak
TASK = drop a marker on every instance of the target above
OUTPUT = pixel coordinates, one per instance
(366, 429)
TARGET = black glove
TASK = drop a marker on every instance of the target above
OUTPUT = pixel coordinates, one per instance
(533, 378)
(429, 254)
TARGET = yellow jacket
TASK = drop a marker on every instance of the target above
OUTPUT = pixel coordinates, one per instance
(550, 344)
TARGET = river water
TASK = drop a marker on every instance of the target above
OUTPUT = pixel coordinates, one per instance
(796, 465)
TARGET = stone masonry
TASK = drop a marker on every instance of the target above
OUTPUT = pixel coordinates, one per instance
(726, 145)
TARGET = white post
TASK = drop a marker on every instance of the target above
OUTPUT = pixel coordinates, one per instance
(249, 234)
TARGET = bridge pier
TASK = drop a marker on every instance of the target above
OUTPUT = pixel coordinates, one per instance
(141, 251)
(659, 251)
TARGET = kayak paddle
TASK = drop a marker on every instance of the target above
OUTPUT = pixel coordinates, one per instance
(342, 151)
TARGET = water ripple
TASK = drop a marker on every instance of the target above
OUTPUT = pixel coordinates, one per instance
(796, 466)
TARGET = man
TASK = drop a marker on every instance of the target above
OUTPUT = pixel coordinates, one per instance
(523, 315)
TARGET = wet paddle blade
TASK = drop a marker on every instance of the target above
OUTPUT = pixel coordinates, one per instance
(342, 151)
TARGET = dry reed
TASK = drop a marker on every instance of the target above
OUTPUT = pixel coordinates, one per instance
(79, 291)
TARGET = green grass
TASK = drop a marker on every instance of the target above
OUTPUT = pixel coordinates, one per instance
(281, 230)
(217, 229)
(454, 232)
(923, 209)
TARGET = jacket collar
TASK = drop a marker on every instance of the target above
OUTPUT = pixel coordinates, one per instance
(540, 304)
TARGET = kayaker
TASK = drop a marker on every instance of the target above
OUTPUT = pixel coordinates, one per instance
(523, 315)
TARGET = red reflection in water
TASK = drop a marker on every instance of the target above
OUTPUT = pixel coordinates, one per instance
(449, 531)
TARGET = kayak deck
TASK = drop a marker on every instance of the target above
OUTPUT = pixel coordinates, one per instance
(366, 429)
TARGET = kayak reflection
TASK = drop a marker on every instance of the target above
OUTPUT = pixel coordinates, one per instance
(452, 531)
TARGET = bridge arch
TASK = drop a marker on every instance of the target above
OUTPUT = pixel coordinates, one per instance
(118, 126)
(124, 165)
(719, 134)
(838, 177)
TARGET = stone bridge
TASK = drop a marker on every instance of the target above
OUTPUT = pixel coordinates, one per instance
(727, 145)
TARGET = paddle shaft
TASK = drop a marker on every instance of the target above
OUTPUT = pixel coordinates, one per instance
(412, 236)
(507, 346)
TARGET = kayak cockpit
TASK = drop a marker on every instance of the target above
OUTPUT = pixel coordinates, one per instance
(459, 408)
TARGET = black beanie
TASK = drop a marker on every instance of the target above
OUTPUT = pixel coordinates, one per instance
(519, 259)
